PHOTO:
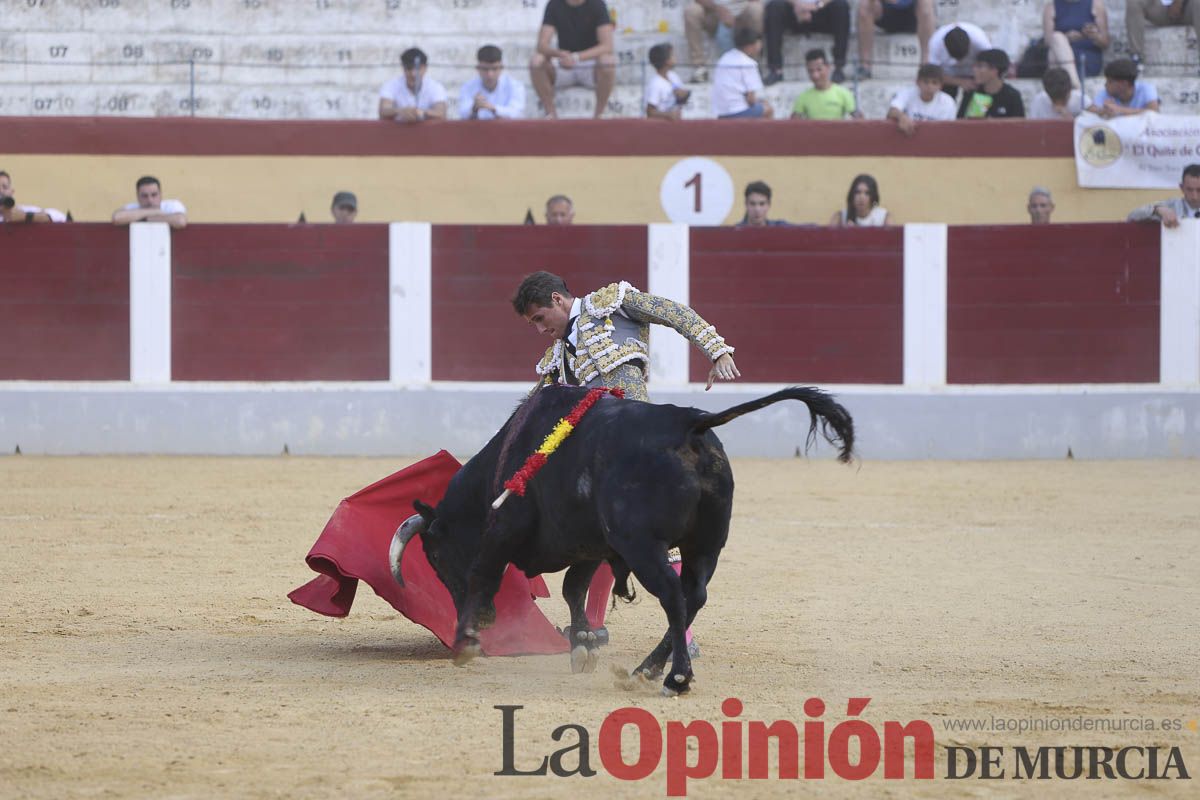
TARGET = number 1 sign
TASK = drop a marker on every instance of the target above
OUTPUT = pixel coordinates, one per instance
(697, 191)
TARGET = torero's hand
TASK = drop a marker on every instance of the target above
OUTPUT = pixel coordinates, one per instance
(722, 368)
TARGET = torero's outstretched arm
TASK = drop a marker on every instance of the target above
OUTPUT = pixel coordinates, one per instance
(652, 309)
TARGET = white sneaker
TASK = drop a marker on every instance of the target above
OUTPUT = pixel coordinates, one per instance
(699, 75)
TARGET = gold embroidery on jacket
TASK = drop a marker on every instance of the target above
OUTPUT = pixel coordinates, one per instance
(596, 354)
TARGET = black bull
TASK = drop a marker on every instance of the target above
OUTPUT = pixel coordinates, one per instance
(631, 482)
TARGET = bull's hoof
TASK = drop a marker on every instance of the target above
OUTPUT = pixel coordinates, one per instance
(649, 669)
(676, 684)
(466, 652)
(583, 659)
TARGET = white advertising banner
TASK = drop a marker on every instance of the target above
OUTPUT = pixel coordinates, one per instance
(1141, 151)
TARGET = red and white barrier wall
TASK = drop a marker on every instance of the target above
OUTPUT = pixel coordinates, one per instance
(972, 341)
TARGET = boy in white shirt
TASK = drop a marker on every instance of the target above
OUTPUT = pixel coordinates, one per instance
(1057, 100)
(492, 94)
(924, 102)
(665, 95)
(737, 85)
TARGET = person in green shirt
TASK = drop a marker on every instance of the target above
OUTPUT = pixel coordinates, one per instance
(826, 99)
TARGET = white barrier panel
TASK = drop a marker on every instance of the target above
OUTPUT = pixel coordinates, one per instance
(668, 266)
(149, 302)
(410, 302)
(924, 305)
(1179, 312)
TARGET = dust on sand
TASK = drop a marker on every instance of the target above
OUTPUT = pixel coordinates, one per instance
(148, 649)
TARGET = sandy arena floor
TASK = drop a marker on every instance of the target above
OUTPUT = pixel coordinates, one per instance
(147, 648)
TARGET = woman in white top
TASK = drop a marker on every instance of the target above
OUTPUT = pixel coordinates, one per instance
(862, 206)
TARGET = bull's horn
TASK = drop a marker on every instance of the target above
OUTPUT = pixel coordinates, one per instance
(411, 527)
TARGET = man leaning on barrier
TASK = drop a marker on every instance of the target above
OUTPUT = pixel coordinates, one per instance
(151, 207)
(1169, 212)
(412, 97)
(12, 211)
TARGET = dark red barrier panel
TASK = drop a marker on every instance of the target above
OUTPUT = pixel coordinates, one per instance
(280, 303)
(803, 305)
(64, 302)
(1053, 304)
(477, 335)
(192, 136)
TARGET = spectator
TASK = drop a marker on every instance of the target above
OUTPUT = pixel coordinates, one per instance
(1169, 212)
(344, 208)
(993, 97)
(953, 47)
(925, 102)
(665, 94)
(825, 100)
(893, 16)
(1076, 30)
(1158, 12)
(736, 83)
(1040, 207)
(806, 16)
(492, 94)
(862, 206)
(12, 211)
(584, 52)
(412, 98)
(1123, 94)
(150, 206)
(758, 206)
(560, 210)
(1057, 100)
(719, 18)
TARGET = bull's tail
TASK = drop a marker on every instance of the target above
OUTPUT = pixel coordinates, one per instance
(832, 419)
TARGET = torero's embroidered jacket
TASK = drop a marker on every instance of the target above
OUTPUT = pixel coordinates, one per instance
(613, 328)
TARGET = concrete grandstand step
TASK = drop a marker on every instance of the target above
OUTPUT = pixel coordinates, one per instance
(1178, 95)
(257, 58)
(16, 100)
(1169, 51)
(42, 17)
(135, 17)
(58, 57)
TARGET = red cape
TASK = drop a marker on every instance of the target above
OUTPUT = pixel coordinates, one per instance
(354, 546)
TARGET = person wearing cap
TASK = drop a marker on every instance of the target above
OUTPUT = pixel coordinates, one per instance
(413, 97)
(344, 208)
(992, 97)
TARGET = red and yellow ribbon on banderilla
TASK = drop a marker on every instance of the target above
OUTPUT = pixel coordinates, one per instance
(520, 479)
